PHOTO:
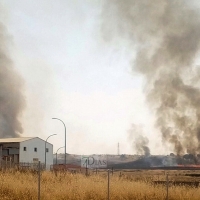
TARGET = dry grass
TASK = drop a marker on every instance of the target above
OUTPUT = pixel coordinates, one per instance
(20, 186)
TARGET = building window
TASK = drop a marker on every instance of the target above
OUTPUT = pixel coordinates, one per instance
(24, 148)
(35, 160)
(47, 150)
(35, 149)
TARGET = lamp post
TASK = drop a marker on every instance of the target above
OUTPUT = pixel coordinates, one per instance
(45, 155)
(57, 152)
(65, 137)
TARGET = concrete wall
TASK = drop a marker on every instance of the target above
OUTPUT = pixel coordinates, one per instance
(11, 145)
(30, 155)
(11, 150)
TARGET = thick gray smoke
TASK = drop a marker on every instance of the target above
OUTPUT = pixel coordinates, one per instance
(165, 36)
(11, 98)
(139, 142)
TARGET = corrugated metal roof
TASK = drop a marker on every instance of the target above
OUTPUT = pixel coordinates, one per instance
(9, 140)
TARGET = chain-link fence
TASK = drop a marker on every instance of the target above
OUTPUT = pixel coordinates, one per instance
(20, 166)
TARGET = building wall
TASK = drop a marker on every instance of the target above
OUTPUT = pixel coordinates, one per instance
(9, 150)
(30, 156)
(12, 145)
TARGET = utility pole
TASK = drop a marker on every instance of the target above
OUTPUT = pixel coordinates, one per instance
(118, 152)
(45, 151)
(65, 139)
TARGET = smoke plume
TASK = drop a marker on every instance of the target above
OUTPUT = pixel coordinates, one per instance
(139, 142)
(165, 36)
(11, 98)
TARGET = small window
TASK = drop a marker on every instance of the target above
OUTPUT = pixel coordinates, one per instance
(24, 148)
(47, 150)
(35, 149)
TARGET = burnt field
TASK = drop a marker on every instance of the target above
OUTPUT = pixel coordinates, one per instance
(171, 176)
(171, 162)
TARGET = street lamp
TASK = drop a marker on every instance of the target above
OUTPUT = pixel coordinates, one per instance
(45, 155)
(65, 138)
(57, 152)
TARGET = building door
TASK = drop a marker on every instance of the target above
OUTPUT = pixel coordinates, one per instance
(16, 158)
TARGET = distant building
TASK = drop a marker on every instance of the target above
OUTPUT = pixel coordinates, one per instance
(25, 150)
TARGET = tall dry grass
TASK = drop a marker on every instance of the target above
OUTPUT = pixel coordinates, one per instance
(20, 186)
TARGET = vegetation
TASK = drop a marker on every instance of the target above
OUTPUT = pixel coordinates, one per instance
(15, 185)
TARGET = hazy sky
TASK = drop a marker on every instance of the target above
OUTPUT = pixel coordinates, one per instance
(70, 73)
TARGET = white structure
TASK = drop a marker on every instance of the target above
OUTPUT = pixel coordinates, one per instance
(26, 150)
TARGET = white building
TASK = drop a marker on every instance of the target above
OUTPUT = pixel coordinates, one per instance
(26, 150)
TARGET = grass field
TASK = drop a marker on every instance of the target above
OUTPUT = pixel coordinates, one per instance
(15, 185)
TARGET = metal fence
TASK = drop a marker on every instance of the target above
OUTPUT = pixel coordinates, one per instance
(21, 166)
(161, 177)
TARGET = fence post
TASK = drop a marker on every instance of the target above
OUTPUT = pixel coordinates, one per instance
(108, 184)
(112, 171)
(6, 162)
(96, 170)
(39, 180)
(86, 168)
(167, 186)
(10, 162)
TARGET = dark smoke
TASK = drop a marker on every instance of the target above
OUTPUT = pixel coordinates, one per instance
(166, 37)
(139, 142)
(11, 98)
